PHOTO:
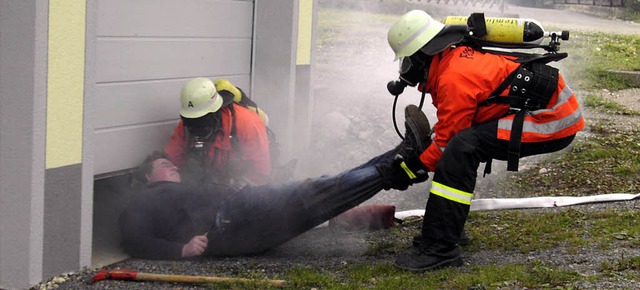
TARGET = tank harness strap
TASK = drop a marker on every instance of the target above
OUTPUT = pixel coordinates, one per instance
(533, 84)
(513, 155)
(487, 168)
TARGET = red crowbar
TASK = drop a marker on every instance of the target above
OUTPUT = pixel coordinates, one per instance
(136, 276)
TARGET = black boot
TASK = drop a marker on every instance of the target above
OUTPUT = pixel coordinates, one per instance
(442, 226)
(430, 257)
(407, 168)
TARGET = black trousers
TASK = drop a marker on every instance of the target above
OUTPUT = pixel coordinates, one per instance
(256, 219)
(457, 169)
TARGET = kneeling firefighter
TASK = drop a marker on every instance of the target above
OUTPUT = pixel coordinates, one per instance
(218, 140)
(489, 106)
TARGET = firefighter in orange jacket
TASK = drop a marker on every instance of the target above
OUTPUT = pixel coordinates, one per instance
(471, 129)
(218, 140)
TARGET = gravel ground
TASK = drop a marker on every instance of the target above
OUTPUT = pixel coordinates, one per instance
(332, 250)
(357, 119)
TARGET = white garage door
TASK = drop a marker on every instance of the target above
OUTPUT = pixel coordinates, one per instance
(145, 51)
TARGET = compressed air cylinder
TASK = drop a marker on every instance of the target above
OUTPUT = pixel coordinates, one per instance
(507, 30)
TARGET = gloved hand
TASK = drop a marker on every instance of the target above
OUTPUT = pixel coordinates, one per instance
(402, 173)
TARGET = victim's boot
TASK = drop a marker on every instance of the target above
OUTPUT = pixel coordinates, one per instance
(407, 169)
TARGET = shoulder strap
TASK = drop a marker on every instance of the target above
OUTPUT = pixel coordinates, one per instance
(524, 60)
(495, 98)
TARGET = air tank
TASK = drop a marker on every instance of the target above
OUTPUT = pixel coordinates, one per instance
(506, 30)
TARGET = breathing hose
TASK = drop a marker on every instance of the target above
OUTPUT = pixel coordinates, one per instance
(396, 88)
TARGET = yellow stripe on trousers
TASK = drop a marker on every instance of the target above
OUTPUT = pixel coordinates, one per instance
(451, 193)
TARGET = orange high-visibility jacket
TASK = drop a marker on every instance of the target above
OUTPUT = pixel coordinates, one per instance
(460, 78)
(252, 159)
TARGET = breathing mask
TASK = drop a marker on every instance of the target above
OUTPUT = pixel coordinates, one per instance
(201, 130)
(413, 70)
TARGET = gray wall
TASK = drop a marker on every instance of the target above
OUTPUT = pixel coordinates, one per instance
(274, 64)
(23, 47)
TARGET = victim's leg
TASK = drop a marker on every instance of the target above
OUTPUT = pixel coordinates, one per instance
(259, 218)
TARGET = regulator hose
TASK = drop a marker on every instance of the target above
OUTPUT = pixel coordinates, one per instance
(396, 88)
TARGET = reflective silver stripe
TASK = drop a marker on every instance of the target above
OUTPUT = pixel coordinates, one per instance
(563, 97)
(544, 128)
(548, 127)
(413, 36)
(451, 193)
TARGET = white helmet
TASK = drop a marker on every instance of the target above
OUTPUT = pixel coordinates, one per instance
(416, 30)
(411, 32)
(198, 98)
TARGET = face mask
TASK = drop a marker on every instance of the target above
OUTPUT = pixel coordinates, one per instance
(202, 129)
(415, 68)
(200, 134)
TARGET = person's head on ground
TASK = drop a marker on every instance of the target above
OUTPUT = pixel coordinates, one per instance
(200, 105)
(157, 167)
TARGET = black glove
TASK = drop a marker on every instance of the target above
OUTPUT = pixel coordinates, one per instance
(401, 173)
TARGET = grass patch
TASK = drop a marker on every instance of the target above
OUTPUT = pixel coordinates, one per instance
(385, 276)
(592, 54)
(622, 264)
(527, 231)
(523, 231)
(606, 162)
(600, 104)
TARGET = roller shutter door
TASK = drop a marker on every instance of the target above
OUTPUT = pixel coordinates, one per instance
(145, 51)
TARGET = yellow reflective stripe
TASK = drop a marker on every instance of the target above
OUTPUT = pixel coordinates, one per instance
(451, 193)
(407, 170)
